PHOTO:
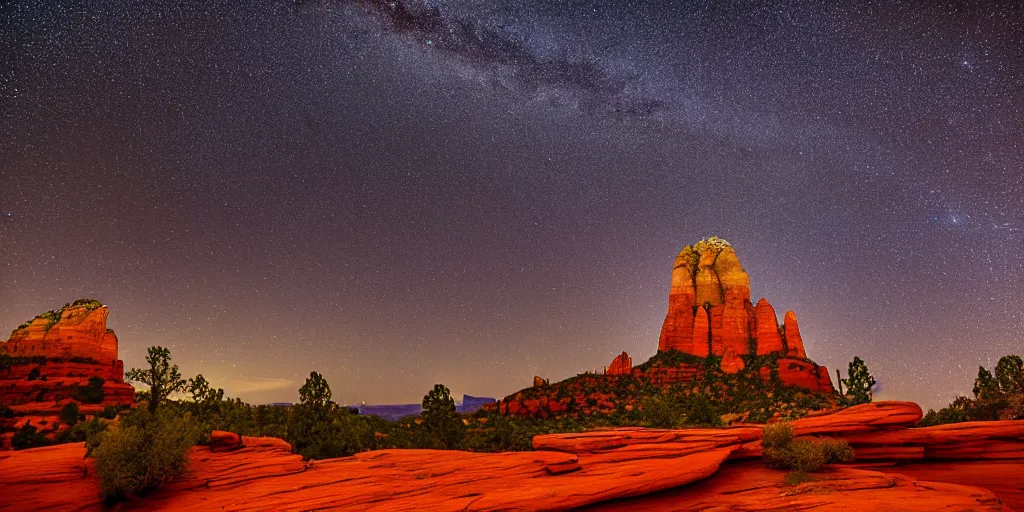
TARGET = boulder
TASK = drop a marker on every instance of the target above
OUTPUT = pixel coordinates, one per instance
(732, 363)
(221, 441)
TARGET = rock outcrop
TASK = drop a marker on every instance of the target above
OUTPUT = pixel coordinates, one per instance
(708, 276)
(711, 327)
(619, 469)
(710, 313)
(61, 356)
(76, 331)
(621, 365)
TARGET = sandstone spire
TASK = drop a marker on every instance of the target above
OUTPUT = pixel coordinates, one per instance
(794, 343)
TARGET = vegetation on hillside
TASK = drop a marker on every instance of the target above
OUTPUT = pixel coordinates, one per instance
(53, 316)
(998, 396)
(746, 396)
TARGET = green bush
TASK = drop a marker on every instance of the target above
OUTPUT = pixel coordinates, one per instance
(782, 450)
(142, 452)
(109, 412)
(662, 411)
(28, 436)
(91, 393)
(442, 426)
(776, 435)
(81, 431)
(6, 412)
(33, 374)
(69, 414)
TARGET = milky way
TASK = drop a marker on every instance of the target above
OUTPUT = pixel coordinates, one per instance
(403, 193)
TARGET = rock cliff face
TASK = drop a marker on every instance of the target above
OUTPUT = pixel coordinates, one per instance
(78, 330)
(61, 356)
(711, 328)
(621, 365)
(710, 313)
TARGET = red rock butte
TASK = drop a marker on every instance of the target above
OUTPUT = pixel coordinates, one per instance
(52, 356)
(710, 314)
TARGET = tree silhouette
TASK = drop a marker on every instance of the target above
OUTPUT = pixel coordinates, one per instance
(858, 386)
(162, 377)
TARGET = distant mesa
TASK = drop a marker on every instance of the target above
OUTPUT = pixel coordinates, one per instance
(58, 357)
(394, 412)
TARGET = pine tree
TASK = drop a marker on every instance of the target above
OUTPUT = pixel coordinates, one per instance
(858, 386)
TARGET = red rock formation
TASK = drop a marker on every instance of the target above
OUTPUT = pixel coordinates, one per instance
(701, 344)
(221, 441)
(710, 300)
(751, 486)
(767, 333)
(61, 350)
(802, 373)
(794, 343)
(621, 365)
(81, 332)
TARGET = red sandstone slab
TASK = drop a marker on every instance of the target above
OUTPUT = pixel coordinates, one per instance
(750, 486)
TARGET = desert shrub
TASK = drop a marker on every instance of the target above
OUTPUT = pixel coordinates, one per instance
(91, 393)
(776, 435)
(835, 450)
(33, 374)
(702, 412)
(109, 412)
(69, 414)
(662, 411)
(501, 434)
(6, 412)
(81, 431)
(782, 450)
(797, 477)
(28, 436)
(143, 452)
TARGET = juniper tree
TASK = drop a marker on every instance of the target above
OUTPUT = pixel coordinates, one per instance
(162, 377)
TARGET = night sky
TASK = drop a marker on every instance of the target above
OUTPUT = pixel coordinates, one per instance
(402, 193)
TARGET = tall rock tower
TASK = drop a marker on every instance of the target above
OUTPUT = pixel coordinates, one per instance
(709, 308)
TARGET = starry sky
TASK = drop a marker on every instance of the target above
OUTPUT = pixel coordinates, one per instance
(399, 193)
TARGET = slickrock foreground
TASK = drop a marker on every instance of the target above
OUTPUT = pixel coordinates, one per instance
(684, 469)
(750, 486)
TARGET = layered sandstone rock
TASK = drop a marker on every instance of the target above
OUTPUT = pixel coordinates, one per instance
(710, 300)
(78, 330)
(55, 358)
(621, 365)
(710, 314)
(708, 275)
